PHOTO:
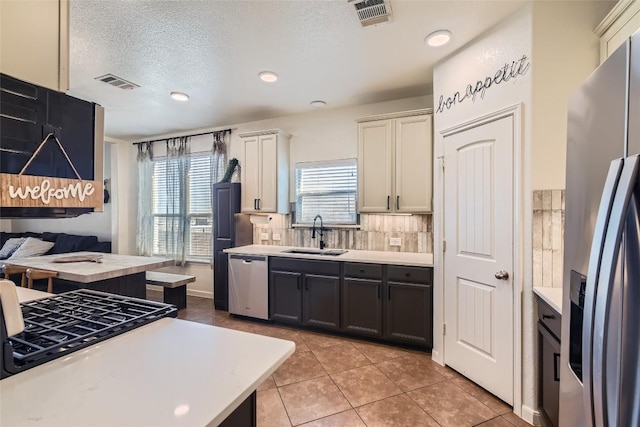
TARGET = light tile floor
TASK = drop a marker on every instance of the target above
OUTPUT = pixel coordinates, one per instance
(335, 381)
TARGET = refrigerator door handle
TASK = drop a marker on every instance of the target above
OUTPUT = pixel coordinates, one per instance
(602, 220)
(605, 416)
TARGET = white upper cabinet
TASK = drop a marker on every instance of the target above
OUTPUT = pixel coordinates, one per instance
(619, 24)
(395, 163)
(34, 42)
(265, 172)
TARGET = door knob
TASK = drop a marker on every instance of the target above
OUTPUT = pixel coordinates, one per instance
(502, 275)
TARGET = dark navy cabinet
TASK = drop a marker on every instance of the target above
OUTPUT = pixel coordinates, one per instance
(387, 302)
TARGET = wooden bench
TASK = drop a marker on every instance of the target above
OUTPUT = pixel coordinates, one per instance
(175, 286)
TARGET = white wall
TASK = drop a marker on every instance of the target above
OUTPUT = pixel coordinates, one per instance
(505, 43)
(558, 39)
(94, 223)
(317, 135)
(565, 51)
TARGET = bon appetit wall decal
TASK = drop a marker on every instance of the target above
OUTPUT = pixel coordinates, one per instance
(504, 74)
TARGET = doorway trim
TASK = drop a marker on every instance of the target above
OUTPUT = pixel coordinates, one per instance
(519, 221)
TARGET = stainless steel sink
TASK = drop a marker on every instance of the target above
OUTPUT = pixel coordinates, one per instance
(326, 252)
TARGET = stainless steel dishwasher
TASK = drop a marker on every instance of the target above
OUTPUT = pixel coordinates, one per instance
(249, 286)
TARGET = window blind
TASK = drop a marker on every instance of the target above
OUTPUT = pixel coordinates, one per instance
(329, 189)
(198, 214)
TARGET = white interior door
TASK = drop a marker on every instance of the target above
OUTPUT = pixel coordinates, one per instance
(478, 261)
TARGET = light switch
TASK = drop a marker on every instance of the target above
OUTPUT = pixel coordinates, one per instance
(395, 241)
(264, 236)
(276, 236)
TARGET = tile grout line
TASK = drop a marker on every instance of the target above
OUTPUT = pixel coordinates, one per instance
(284, 406)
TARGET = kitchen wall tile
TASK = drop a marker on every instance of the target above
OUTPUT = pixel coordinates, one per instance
(548, 237)
(374, 233)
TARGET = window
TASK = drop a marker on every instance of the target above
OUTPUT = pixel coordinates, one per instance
(198, 207)
(329, 189)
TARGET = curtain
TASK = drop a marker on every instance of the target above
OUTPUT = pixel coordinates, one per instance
(175, 209)
(144, 235)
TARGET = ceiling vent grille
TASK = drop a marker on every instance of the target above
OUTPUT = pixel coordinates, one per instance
(371, 12)
(117, 82)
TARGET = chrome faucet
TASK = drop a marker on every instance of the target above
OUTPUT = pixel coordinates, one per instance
(320, 231)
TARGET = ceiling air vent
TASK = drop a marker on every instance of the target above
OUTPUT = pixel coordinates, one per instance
(117, 82)
(371, 12)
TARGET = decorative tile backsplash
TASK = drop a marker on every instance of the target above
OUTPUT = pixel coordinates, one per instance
(548, 237)
(375, 232)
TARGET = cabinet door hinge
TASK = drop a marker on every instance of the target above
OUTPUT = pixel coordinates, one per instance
(444, 329)
(444, 246)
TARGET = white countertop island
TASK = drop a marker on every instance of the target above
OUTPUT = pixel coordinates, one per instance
(168, 373)
(112, 265)
(376, 257)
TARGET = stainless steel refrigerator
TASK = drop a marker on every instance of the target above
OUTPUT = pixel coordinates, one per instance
(599, 361)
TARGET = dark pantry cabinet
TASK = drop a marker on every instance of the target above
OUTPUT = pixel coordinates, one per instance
(230, 229)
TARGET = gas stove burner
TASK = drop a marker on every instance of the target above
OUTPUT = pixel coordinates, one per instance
(70, 321)
(56, 336)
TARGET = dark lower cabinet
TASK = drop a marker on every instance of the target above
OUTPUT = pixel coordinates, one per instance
(362, 306)
(285, 296)
(409, 313)
(305, 292)
(321, 301)
(548, 363)
(389, 302)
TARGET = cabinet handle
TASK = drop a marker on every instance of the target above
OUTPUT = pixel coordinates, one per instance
(548, 316)
(255, 204)
(389, 293)
(306, 285)
(379, 291)
(388, 202)
(259, 203)
(397, 202)
(556, 377)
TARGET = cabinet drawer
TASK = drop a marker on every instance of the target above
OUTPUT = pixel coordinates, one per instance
(362, 270)
(550, 318)
(327, 268)
(399, 273)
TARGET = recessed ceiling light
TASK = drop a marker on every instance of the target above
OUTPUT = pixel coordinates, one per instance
(438, 38)
(179, 96)
(318, 104)
(268, 76)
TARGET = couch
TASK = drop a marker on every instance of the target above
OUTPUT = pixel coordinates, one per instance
(63, 243)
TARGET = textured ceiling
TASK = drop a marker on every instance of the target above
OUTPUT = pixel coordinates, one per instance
(214, 50)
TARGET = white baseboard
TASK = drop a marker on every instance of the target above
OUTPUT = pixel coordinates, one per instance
(192, 292)
(530, 415)
(436, 356)
(201, 294)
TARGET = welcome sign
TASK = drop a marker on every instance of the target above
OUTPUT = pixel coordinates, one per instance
(48, 192)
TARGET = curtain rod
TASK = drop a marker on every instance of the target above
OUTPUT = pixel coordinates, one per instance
(184, 136)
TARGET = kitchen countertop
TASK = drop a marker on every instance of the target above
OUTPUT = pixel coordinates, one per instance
(168, 373)
(112, 265)
(552, 296)
(377, 257)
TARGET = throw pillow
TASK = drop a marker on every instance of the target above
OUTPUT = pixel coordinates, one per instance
(32, 247)
(10, 246)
